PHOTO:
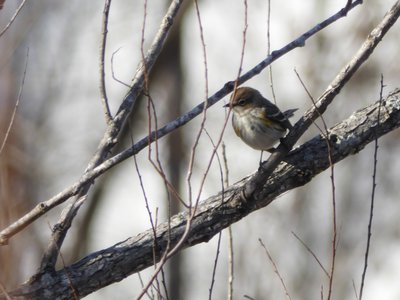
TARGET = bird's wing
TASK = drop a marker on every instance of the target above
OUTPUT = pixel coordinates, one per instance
(272, 112)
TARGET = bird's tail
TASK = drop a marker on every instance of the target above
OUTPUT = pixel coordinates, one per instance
(289, 113)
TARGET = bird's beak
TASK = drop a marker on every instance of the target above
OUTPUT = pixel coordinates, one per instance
(227, 105)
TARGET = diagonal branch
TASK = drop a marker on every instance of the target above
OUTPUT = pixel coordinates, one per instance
(111, 135)
(103, 92)
(113, 264)
(10, 124)
(13, 17)
(366, 49)
(100, 164)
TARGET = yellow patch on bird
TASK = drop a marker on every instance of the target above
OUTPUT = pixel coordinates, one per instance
(267, 122)
(237, 130)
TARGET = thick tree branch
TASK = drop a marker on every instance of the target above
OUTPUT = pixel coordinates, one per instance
(218, 212)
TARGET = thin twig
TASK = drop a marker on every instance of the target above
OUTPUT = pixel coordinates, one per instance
(4, 292)
(112, 69)
(355, 290)
(230, 233)
(152, 224)
(231, 270)
(156, 164)
(313, 102)
(220, 234)
(151, 112)
(311, 252)
(169, 254)
(164, 285)
(158, 167)
(275, 269)
(220, 165)
(214, 152)
(13, 17)
(104, 31)
(371, 210)
(226, 168)
(214, 271)
(204, 115)
(325, 134)
(334, 229)
(150, 296)
(21, 88)
(271, 79)
(244, 37)
(68, 277)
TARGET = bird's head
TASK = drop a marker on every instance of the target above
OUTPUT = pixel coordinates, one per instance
(244, 99)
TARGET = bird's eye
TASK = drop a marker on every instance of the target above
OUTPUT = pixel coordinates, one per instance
(242, 102)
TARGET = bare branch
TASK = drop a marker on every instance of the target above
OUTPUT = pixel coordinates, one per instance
(6, 296)
(13, 17)
(275, 269)
(271, 79)
(230, 233)
(112, 70)
(215, 267)
(354, 289)
(16, 104)
(104, 31)
(325, 134)
(204, 114)
(231, 273)
(312, 253)
(371, 211)
(245, 26)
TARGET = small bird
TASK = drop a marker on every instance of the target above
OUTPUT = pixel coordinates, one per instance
(257, 121)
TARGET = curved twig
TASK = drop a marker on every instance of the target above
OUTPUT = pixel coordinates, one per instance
(13, 17)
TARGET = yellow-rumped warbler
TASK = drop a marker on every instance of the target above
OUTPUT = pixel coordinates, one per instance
(257, 121)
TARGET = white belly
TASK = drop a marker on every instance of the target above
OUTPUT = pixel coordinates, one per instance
(257, 136)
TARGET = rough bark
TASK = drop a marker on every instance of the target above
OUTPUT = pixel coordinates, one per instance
(218, 212)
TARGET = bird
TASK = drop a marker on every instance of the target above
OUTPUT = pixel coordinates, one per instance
(257, 121)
